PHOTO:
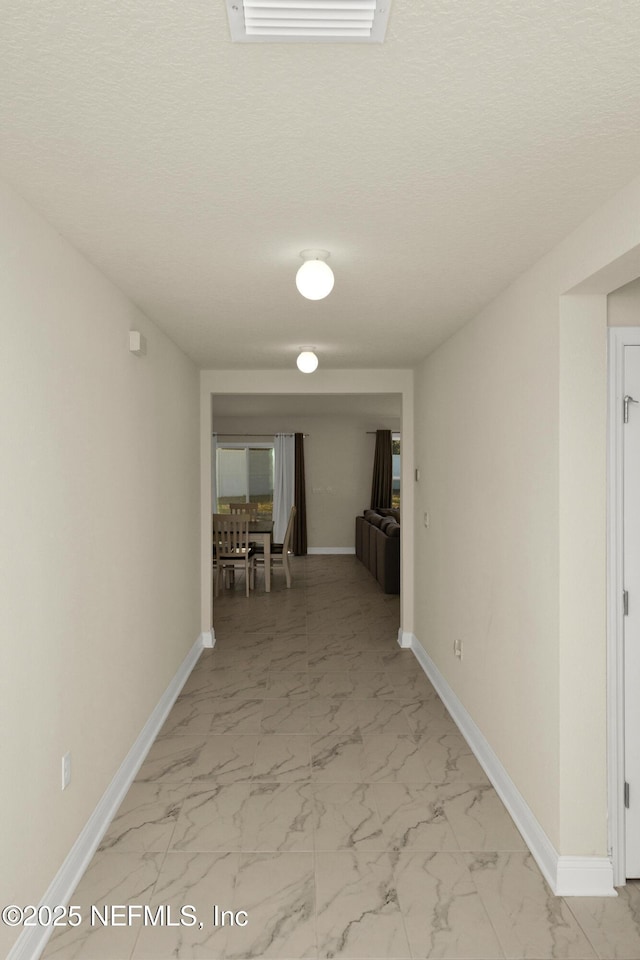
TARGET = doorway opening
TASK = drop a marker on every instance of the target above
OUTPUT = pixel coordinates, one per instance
(338, 455)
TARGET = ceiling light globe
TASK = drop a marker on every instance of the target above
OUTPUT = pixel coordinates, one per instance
(314, 279)
(307, 361)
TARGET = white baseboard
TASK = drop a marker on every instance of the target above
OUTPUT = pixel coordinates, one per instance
(330, 550)
(208, 638)
(567, 876)
(584, 877)
(32, 940)
(405, 639)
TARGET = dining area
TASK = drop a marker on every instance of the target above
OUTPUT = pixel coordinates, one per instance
(243, 542)
(259, 518)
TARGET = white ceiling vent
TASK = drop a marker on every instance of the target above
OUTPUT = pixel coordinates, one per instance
(308, 21)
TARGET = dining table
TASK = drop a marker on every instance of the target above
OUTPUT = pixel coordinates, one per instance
(261, 531)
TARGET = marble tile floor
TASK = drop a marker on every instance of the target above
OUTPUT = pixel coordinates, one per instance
(309, 776)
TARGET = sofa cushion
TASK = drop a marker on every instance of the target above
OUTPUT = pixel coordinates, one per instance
(378, 546)
(359, 525)
(374, 536)
(364, 543)
(387, 571)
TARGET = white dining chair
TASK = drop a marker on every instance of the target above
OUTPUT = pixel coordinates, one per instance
(280, 551)
(232, 548)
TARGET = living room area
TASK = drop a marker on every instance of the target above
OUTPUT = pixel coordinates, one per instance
(339, 435)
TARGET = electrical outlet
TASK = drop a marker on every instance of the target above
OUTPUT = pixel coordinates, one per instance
(457, 649)
(66, 770)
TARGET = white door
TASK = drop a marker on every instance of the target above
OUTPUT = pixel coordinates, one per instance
(631, 480)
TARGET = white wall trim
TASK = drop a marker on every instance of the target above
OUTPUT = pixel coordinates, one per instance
(405, 639)
(584, 877)
(567, 876)
(32, 940)
(330, 550)
(208, 638)
(618, 338)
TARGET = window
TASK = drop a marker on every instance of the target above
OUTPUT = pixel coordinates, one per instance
(395, 470)
(244, 474)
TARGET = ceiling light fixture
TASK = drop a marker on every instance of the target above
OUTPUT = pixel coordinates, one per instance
(314, 279)
(307, 361)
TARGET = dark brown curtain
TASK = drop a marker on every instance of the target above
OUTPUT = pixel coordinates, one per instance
(381, 486)
(299, 538)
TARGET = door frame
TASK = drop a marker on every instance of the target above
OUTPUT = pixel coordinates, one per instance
(324, 382)
(618, 339)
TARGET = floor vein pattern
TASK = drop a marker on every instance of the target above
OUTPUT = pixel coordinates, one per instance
(310, 797)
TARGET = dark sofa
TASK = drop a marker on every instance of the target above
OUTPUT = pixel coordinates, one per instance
(378, 546)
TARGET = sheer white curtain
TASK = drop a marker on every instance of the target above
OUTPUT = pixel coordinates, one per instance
(283, 483)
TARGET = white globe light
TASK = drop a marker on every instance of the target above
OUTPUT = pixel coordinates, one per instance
(307, 361)
(314, 279)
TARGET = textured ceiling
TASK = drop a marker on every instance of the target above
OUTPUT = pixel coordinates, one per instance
(435, 167)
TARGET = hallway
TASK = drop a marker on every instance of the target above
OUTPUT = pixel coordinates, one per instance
(309, 775)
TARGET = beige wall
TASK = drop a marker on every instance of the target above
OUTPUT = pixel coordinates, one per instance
(486, 568)
(99, 495)
(510, 420)
(623, 306)
(582, 503)
(338, 466)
